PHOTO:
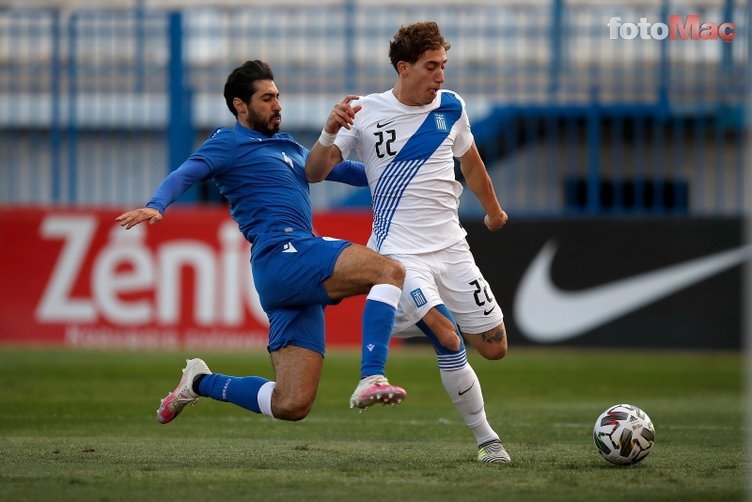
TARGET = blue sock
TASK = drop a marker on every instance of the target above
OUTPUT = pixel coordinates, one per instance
(241, 391)
(378, 318)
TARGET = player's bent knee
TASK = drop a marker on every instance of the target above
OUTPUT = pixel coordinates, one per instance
(451, 341)
(448, 337)
(491, 344)
(441, 330)
(394, 272)
(292, 410)
(493, 352)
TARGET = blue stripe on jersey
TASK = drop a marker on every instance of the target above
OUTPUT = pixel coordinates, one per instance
(405, 165)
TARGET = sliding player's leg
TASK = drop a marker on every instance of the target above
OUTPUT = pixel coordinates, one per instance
(296, 343)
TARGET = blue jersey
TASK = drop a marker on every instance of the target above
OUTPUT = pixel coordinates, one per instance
(263, 179)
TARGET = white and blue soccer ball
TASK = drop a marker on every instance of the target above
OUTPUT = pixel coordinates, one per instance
(624, 434)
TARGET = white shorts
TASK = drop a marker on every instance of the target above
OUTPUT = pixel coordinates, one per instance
(449, 276)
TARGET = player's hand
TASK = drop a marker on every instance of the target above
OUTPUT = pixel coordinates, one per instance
(494, 223)
(343, 115)
(133, 218)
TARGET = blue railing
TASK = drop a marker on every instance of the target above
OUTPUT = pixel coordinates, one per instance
(96, 105)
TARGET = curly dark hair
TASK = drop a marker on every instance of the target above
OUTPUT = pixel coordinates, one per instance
(412, 41)
(240, 83)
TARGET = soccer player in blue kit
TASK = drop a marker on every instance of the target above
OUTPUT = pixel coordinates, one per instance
(261, 173)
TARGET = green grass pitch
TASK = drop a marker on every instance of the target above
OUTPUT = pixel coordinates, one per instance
(80, 425)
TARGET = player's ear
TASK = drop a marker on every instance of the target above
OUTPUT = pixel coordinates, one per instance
(239, 105)
(402, 67)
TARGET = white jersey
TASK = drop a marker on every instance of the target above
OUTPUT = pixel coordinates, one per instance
(408, 152)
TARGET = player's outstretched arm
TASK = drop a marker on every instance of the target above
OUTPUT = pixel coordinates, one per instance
(172, 187)
(132, 218)
(479, 182)
(322, 157)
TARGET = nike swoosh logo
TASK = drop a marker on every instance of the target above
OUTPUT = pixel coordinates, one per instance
(547, 314)
(467, 390)
(379, 125)
(486, 312)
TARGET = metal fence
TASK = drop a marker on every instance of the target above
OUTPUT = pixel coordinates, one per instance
(97, 105)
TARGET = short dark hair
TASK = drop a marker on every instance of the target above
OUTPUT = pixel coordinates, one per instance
(240, 83)
(412, 41)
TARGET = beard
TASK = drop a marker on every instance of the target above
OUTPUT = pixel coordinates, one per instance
(263, 125)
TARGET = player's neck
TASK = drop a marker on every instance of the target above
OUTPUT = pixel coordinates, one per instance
(403, 96)
(411, 96)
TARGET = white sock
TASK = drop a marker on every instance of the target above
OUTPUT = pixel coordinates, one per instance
(265, 398)
(463, 388)
(385, 293)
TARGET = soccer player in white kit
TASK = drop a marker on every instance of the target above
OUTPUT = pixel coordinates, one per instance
(408, 137)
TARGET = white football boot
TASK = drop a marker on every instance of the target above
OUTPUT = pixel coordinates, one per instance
(376, 389)
(183, 395)
(493, 452)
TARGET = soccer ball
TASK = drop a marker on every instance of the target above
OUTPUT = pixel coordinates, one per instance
(624, 434)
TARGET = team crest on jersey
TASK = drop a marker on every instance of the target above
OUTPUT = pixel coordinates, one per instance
(418, 297)
(287, 160)
(441, 124)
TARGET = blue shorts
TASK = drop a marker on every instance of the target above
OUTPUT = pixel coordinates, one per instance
(299, 326)
(288, 272)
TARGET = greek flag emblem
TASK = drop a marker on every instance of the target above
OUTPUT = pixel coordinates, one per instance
(440, 121)
(418, 297)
